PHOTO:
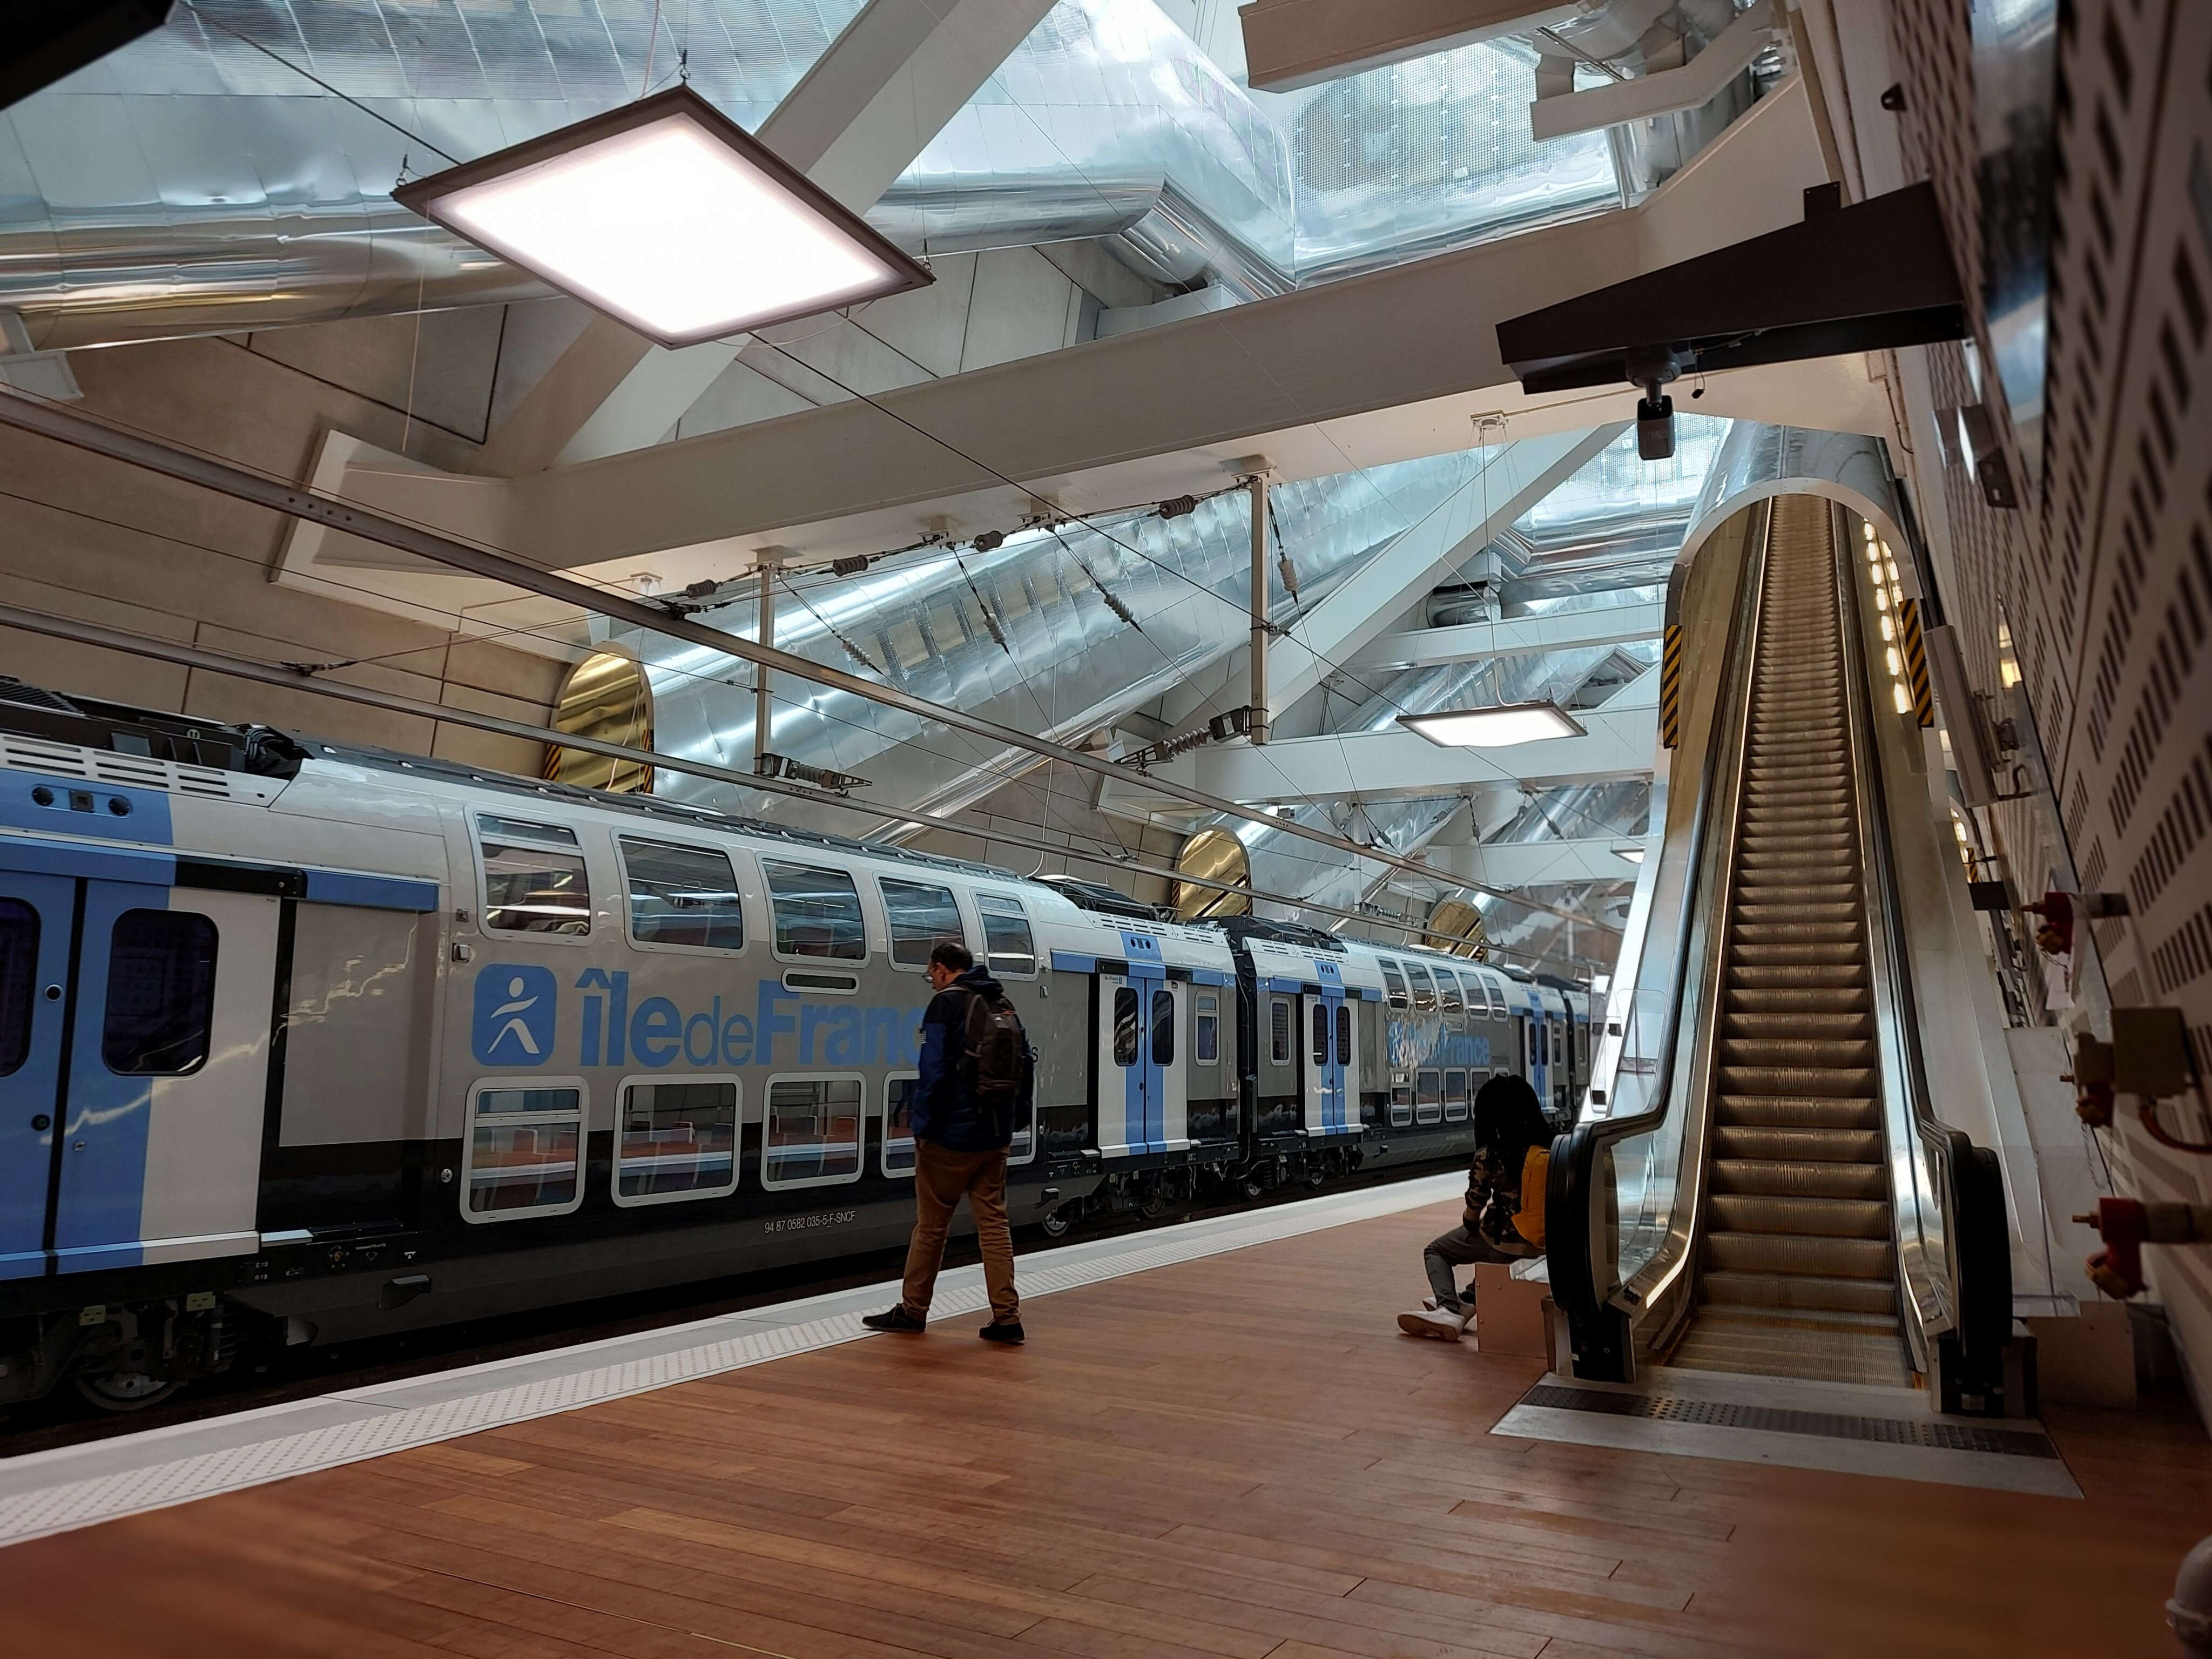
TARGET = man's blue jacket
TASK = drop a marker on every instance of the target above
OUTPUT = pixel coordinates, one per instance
(946, 1110)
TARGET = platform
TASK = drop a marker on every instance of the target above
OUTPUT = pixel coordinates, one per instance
(1216, 1443)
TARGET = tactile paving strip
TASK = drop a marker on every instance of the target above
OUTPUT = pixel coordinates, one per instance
(53, 1492)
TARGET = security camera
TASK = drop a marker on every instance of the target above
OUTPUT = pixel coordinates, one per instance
(1651, 369)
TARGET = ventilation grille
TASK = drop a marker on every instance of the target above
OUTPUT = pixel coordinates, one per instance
(1828, 1426)
(133, 771)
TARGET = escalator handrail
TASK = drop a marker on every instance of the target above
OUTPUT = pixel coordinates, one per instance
(1976, 1282)
(1571, 1187)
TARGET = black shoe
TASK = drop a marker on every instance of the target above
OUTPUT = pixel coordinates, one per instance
(898, 1319)
(1011, 1333)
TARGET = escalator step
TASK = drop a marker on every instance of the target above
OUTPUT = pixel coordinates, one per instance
(1806, 1053)
(1803, 1214)
(1801, 1111)
(1788, 1255)
(1797, 1144)
(1853, 1082)
(1788, 1178)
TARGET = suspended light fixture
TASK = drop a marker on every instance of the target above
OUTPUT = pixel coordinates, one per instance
(1499, 726)
(669, 217)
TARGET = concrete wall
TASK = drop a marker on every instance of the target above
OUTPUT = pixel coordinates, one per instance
(88, 537)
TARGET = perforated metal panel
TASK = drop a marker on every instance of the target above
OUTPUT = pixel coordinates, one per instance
(2105, 573)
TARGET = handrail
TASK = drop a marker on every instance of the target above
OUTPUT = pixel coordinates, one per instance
(1598, 1331)
(1966, 1308)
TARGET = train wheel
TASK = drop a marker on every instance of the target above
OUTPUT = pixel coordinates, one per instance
(126, 1391)
(1057, 1224)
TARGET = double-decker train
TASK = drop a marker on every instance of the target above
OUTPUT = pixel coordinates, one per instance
(304, 1043)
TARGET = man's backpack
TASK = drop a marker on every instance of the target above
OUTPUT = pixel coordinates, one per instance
(997, 1051)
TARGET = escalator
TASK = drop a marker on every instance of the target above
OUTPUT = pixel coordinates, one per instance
(1758, 1184)
(1799, 1273)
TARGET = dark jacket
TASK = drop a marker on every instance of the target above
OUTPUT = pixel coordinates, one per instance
(1505, 1180)
(945, 1109)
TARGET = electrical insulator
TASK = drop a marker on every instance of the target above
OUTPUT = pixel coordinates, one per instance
(1289, 574)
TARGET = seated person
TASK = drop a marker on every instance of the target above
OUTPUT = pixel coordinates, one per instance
(1504, 1220)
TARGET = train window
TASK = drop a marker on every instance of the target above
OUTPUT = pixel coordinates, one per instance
(1394, 985)
(898, 1123)
(818, 912)
(677, 1140)
(1206, 1045)
(1279, 1031)
(1559, 1045)
(1454, 1097)
(1401, 1103)
(1008, 946)
(1320, 1034)
(1424, 988)
(1533, 1044)
(1428, 1096)
(811, 1131)
(1164, 1024)
(161, 993)
(522, 1157)
(1125, 1027)
(1455, 1009)
(1344, 1034)
(682, 896)
(19, 964)
(922, 917)
(534, 878)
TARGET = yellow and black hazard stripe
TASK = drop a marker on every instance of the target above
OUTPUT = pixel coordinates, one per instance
(1916, 661)
(1670, 689)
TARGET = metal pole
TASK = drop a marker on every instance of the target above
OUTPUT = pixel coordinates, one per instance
(761, 670)
(245, 668)
(1257, 483)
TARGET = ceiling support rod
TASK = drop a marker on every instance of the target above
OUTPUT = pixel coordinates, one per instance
(761, 711)
(245, 668)
(99, 437)
(1257, 483)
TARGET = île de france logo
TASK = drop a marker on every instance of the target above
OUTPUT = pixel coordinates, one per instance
(515, 1011)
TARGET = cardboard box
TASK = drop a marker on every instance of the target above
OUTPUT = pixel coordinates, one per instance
(1510, 1316)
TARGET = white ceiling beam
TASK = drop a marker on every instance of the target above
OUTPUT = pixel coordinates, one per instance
(1619, 742)
(1536, 863)
(1354, 373)
(1519, 637)
(1289, 44)
(873, 101)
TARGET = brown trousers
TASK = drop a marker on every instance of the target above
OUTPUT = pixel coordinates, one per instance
(939, 1179)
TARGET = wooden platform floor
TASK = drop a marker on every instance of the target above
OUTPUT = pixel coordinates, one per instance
(1237, 1457)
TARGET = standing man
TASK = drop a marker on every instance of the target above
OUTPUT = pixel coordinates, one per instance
(975, 1084)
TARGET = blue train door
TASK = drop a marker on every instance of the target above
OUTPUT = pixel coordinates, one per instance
(134, 1080)
(37, 927)
(1328, 1029)
(1142, 1103)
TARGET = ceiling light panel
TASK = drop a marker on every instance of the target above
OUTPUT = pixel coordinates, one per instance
(671, 218)
(1497, 727)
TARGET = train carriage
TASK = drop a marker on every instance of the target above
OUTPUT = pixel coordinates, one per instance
(305, 1043)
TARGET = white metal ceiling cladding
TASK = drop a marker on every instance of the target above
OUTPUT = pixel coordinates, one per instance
(186, 183)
